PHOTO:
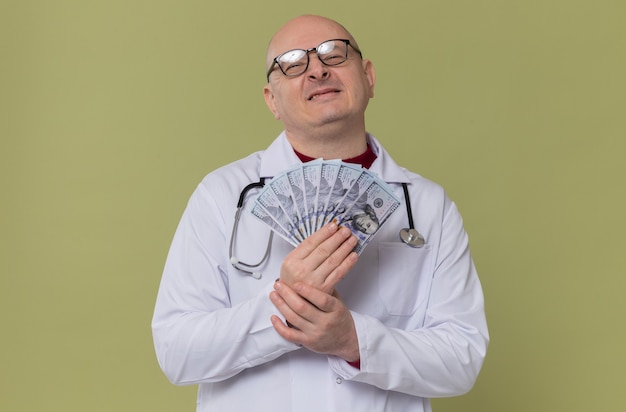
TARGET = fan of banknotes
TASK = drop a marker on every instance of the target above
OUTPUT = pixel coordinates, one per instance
(302, 199)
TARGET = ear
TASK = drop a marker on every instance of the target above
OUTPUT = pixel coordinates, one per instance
(270, 100)
(370, 75)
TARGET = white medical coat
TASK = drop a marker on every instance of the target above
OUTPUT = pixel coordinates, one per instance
(418, 313)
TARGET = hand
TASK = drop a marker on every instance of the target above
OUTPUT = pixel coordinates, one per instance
(322, 259)
(318, 321)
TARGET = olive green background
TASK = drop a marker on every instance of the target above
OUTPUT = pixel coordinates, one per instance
(112, 111)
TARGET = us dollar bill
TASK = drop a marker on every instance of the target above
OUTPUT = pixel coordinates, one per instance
(311, 173)
(368, 213)
(272, 204)
(328, 175)
(359, 186)
(346, 176)
(282, 188)
(261, 213)
(295, 178)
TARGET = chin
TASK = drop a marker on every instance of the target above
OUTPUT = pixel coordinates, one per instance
(332, 116)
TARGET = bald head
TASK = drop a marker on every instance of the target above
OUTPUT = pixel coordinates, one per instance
(305, 32)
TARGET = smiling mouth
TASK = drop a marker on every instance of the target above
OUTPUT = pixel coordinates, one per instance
(324, 93)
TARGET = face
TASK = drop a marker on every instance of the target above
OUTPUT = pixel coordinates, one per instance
(364, 223)
(323, 94)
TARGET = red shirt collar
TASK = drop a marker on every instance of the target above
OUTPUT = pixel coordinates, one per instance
(365, 159)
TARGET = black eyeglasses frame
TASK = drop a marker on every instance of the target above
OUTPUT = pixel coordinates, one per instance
(308, 60)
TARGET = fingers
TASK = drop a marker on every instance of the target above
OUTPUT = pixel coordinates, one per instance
(337, 265)
(292, 307)
(322, 259)
(314, 319)
(321, 244)
(283, 330)
(321, 301)
(302, 301)
(300, 305)
(310, 243)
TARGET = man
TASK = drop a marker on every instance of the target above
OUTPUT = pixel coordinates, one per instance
(318, 327)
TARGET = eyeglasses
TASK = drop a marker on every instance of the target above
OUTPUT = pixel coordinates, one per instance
(295, 62)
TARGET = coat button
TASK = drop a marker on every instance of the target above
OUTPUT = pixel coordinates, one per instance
(339, 380)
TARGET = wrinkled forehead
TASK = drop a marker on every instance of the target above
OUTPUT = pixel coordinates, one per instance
(304, 33)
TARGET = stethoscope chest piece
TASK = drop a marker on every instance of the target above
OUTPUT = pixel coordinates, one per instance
(412, 237)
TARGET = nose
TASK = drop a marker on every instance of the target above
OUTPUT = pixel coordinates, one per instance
(317, 70)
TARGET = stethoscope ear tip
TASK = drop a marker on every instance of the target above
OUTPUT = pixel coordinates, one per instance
(412, 238)
(256, 275)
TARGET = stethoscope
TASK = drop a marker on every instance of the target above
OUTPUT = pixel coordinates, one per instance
(409, 236)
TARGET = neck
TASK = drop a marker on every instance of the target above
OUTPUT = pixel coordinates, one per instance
(335, 144)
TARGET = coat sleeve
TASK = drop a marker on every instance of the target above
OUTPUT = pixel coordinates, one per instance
(198, 335)
(444, 356)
